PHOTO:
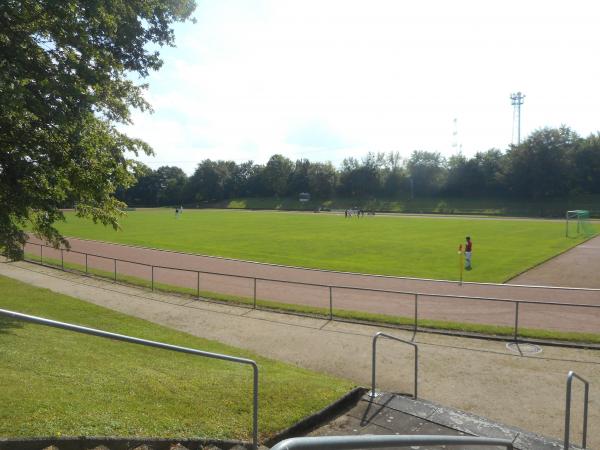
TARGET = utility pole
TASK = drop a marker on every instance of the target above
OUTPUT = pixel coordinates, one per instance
(517, 100)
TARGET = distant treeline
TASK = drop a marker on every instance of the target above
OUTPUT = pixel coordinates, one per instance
(551, 162)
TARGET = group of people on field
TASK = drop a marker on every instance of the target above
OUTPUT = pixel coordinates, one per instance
(354, 212)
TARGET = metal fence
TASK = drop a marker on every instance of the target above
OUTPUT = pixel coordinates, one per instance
(390, 441)
(147, 343)
(404, 309)
(586, 384)
(373, 392)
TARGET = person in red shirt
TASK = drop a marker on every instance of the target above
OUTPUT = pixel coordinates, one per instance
(468, 249)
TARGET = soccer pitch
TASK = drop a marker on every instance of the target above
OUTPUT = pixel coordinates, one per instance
(392, 245)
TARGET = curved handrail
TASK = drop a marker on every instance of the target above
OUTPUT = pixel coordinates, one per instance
(570, 377)
(147, 343)
(373, 393)
(359, 442)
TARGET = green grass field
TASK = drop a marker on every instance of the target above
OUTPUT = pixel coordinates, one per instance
(402, 246)
(59, 383)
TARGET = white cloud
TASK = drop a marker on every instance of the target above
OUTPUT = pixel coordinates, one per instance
(369, 76)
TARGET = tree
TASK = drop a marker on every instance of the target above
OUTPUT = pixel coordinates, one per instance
(145, 191)
(171, 183)
(209, 182)
(277, 173)
(491, 164)
(464, 177)
(321, 180)
(362, 178)
(539, 167)
(65, 85)
(427, 170)
(298, 181)
(248, 179)
(396, 182)
(586, 165)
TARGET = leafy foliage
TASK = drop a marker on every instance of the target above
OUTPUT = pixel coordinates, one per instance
(65, 85)
(550, 163)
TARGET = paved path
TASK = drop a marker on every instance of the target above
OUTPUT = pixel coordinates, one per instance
(478, 376)
(579, 267)
(451, 308)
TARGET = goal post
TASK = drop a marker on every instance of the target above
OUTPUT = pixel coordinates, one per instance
(578, 223)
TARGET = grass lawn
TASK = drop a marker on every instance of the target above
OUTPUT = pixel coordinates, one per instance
(402, 246)
(54, 382)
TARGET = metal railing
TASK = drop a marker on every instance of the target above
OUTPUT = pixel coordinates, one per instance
(373, 392)
(330, 311)
(147, 343)
(570, 377)
(386, 441)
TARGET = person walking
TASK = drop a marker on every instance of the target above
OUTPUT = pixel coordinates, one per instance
(468, 252)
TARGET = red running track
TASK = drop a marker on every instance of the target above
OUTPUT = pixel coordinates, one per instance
(279, 287)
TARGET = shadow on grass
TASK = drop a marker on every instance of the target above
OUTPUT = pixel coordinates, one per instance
(7, 324)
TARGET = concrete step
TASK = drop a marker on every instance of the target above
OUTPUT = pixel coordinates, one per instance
(401, 415)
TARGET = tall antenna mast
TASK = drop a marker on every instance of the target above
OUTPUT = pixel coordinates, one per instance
(455, 145)
(517, 100)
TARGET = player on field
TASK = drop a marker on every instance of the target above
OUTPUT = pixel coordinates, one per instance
(468, 250)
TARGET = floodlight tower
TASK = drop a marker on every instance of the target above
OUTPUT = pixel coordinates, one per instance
(517, 100)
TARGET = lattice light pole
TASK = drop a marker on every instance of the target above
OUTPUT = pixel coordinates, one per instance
(517, 100)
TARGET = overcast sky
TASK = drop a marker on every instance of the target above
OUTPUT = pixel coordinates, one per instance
(328, 79)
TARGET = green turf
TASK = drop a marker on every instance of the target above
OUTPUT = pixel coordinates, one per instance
(402, 246)
(60, 383)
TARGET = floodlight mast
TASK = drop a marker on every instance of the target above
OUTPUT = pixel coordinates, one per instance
(517, 100)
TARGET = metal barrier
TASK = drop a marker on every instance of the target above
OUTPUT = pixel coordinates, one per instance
(570, 377)
(373, 392)
(383, 441)
(176, 348)
(330, 313)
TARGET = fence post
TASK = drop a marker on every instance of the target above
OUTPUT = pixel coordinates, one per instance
(254, 304)
(516, 321)
(152, 279)
(115, 260)
(373, 365)
(330, 303)
(41, 254)
(86, 264)
(62, 259)
(198, 285)
(567, 438)
(416, 312)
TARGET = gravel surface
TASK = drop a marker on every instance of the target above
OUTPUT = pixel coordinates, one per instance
(479, 376)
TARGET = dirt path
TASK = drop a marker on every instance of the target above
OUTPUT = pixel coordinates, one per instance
(579, 267)
(450, 308)
(479, 376)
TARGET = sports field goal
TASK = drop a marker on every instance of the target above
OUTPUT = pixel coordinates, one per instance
(578, 223)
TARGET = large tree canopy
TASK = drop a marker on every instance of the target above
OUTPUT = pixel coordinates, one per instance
(66, 70)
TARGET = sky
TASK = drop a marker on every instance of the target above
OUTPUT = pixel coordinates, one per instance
(329, 79)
